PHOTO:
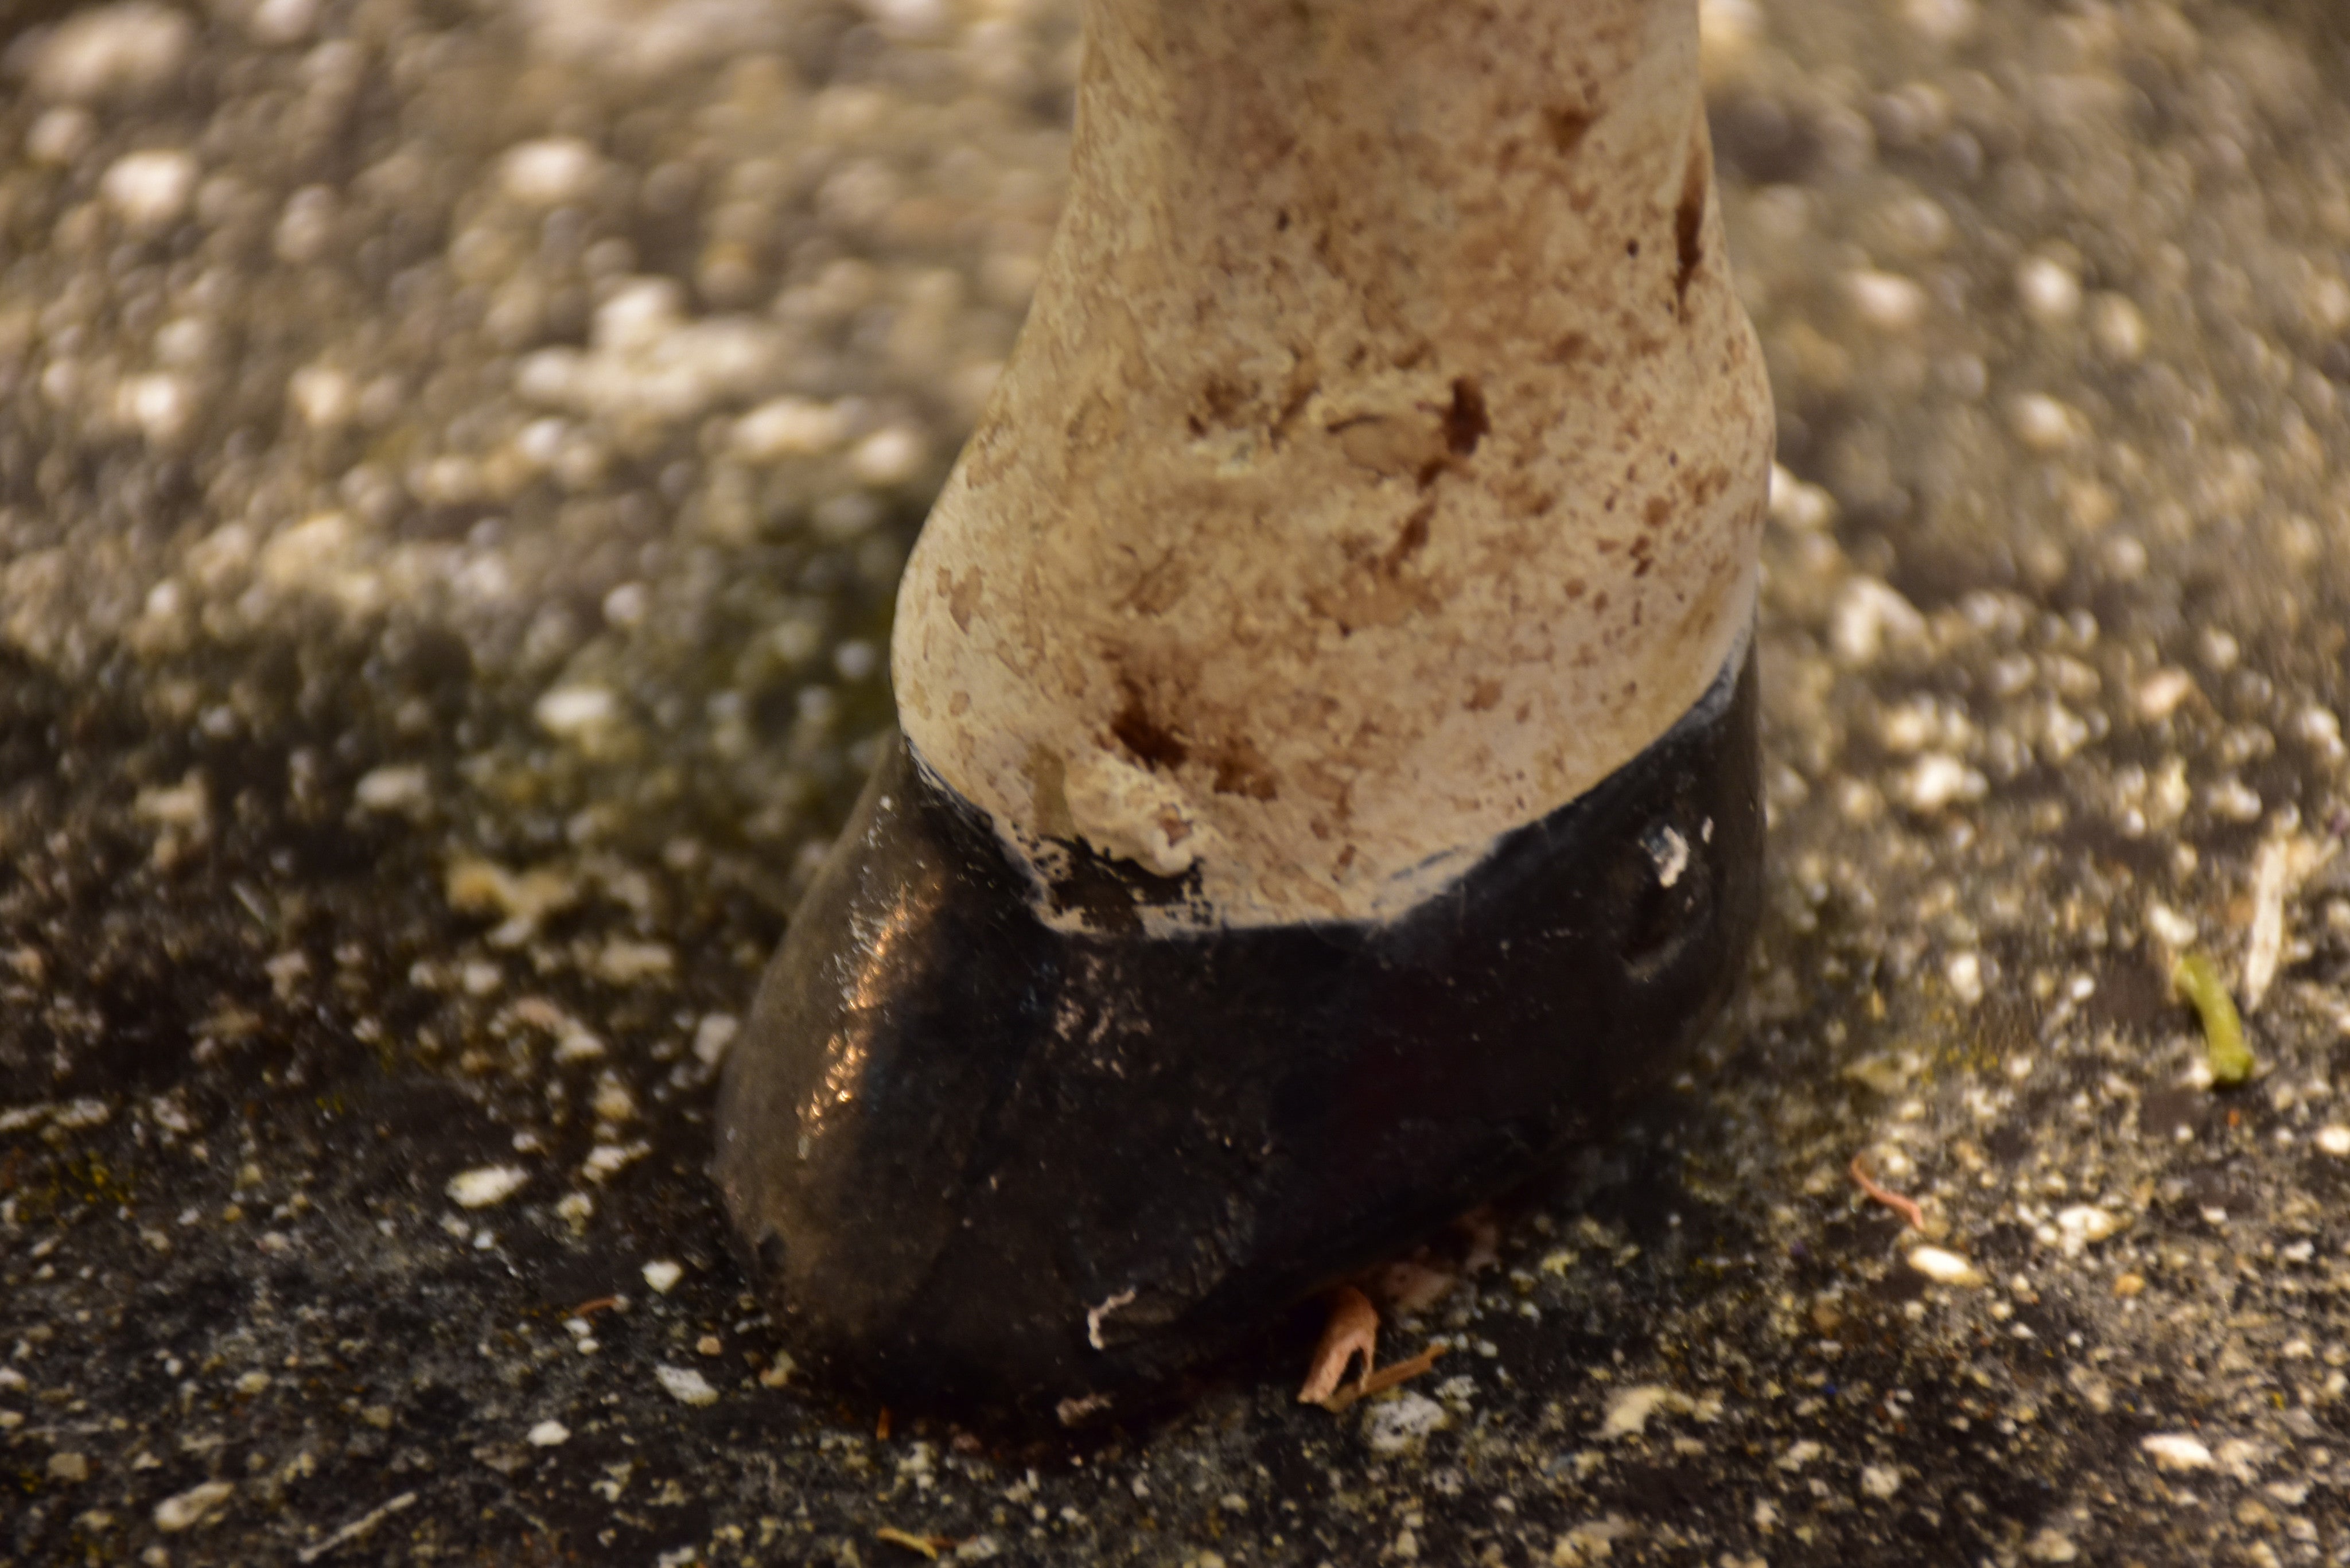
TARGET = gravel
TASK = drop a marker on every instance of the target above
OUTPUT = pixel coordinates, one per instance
(453, 464)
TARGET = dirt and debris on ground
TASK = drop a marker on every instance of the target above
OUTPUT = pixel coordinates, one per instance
(453, 462)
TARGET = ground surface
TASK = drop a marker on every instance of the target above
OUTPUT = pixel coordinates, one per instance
(454, 460)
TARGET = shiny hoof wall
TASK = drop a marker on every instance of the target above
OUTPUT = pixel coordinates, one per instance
(978, 1162)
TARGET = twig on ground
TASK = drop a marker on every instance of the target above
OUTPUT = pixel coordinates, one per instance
(356, 1528)
(1387, 1377)
(1905, 1207)
(929, 1546)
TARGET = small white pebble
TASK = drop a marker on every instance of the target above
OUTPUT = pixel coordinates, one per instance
(1394, 1425)
(662, 1275)
(149, 190)
(612, 1102)
(2320, 729)
(487, 1185)
(60, 136)
(789, 426)
(2273, 869)
(1886, 300)
(1879, 1481)
(325, 397)
(1941, 21)
(571, 712)
(1964, 972)
(187, 341)
(2233, 800)
(607, 1160)
(2052, 1546)
(548, 1435)
(577, 1044)
(283, 21)
(1805, 508)
(639, 316)
(1910, 728)
(306, 225)
(686, 1386)
(550, 171)
(625, 606)
(712, 1036)
(888, 457)
(2334, 1139)
(626, 962)
(1869, 615)
(2043, 424)
(2327, 300)
(1945, 1268)
(194, 1506)
(1800, 1453)
(2088, 1223)
(104, 51)
(1630, 1409)
(2050, 292)
(2118, 328)
(400, 787)
(159, 406)
(1727, 30)
(314, 554)
(184, 804)
(2169, 926)
(2160, 693)
(541, 442)
(911, 21)
(2176, 1451)
(1937, 780)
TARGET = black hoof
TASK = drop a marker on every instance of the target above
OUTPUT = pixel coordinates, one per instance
(981, 1162)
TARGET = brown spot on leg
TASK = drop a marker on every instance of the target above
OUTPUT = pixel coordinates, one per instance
(1410, 539)
(963, 601)
(1241, 769)
(1152, 744)
(1465, 423)
(1222, 398)
(1689, 218)
(1567, 125)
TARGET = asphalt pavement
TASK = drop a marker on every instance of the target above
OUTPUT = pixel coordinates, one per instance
(455, 459)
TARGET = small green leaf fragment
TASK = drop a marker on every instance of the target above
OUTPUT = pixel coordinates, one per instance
(2197, 978)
